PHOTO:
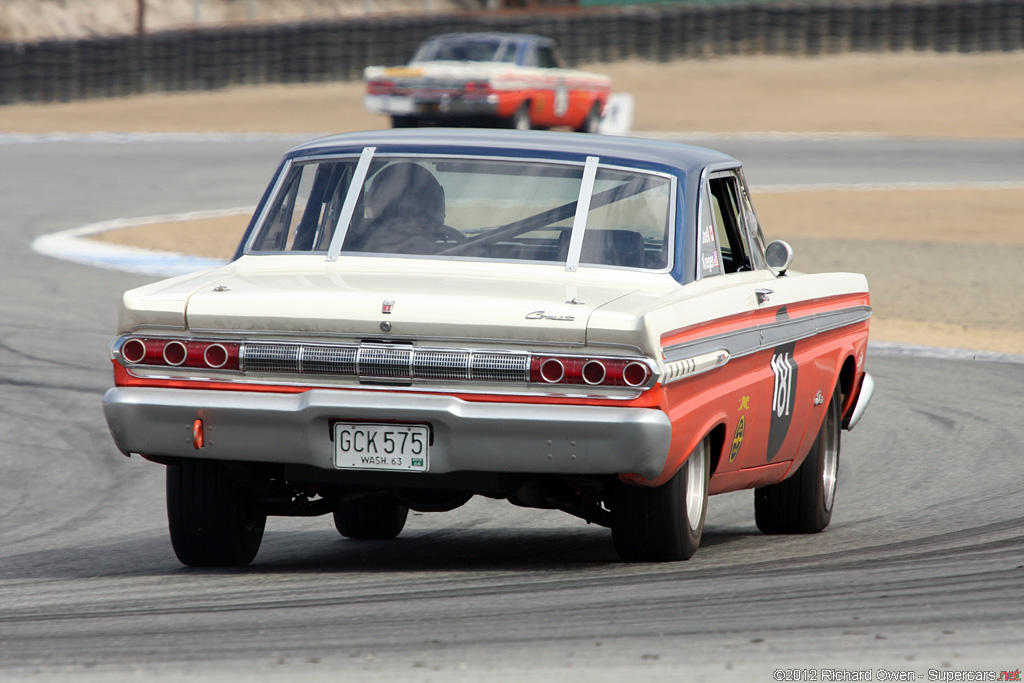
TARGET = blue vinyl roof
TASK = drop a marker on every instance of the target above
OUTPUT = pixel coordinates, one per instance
(637, 152)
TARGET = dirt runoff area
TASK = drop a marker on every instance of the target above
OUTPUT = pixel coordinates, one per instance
(941, 262)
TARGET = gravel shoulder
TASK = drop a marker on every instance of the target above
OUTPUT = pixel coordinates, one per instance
(938, 260)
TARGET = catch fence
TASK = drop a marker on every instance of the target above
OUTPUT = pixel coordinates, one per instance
(338, 50)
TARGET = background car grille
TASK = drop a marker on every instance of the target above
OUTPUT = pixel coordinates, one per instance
(384, 361)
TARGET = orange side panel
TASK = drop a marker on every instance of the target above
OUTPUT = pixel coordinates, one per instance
(752, 477)
(771, 402)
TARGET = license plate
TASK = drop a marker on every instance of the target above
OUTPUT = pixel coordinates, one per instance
(367, 446)
(397, 104)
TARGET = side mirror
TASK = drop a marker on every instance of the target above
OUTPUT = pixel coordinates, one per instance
(779, 256)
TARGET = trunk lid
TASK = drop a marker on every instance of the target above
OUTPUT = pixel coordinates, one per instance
(473, 306)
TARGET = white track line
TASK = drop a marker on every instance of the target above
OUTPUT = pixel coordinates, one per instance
(769, 135)
(891, 187)
(74, 245)
(921, 351)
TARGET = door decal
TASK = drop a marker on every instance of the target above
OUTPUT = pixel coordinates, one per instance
(784, 369)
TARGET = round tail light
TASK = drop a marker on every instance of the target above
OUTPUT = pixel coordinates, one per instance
(133, 351)
(215, 356)
(175, 353)
(635, 374)
(552, 370)
(594, 372)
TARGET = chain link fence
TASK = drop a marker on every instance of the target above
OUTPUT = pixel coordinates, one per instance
(338, 50)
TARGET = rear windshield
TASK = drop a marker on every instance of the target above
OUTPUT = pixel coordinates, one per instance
(462, 50)
(452, 207)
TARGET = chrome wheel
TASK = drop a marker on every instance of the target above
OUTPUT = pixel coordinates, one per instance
(663, 523)
(830, 456)
(696, 487)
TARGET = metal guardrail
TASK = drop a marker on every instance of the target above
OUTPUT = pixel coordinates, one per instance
(332, 51)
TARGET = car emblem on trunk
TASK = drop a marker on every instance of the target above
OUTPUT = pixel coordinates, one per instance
(541, 315)
(387, 305)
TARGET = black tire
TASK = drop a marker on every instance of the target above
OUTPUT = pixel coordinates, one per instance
(593, 120)
(374, 517)
(803, 503)
(663, 524)
(521, 119)
(212, 520)
(404, 122)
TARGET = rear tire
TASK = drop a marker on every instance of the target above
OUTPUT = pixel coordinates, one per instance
(665, 523)
(521, 119)
(803, 503)
(592, 123)
(212, 519)
(374, 517)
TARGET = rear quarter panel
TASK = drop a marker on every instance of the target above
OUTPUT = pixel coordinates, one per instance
(769, 400)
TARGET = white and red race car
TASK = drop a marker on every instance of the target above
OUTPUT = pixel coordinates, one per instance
(591, 324)
(515, 80)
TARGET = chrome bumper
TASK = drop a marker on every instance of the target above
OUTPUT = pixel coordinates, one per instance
(467, 436)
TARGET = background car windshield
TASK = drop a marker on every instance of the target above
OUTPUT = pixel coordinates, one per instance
(472, 208)
(459, 51)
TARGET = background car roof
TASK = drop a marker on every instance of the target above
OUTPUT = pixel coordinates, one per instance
(634, 152)
(475, 35)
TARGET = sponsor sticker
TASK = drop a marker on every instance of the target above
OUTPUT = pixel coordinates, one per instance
(741, 427)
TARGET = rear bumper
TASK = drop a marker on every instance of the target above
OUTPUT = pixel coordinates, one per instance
(432, 105)
(466, 436)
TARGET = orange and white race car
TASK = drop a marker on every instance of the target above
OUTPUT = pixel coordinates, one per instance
(485, 78)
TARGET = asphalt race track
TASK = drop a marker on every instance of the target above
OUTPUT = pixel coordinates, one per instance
(922, 567)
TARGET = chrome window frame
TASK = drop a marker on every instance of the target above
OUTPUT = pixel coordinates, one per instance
(706, 175)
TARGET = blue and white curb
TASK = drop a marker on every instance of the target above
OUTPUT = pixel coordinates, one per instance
(74, 245)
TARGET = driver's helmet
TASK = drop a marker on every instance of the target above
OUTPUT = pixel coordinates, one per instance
(406, 193)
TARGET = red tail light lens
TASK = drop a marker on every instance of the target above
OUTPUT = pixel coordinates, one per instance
(133, 351)
(552, 370)
(215, 356)
(478, 87)
(635, 374)
(605, 372)
(380, 87)
(594, 372)
(178, 353)
(175, 353)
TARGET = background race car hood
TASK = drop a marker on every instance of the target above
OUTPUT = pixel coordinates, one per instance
(463, 307)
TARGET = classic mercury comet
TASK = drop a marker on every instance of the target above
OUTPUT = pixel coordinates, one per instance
(513, 79)
(412, 318)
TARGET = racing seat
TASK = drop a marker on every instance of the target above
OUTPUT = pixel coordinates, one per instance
(607, 248)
